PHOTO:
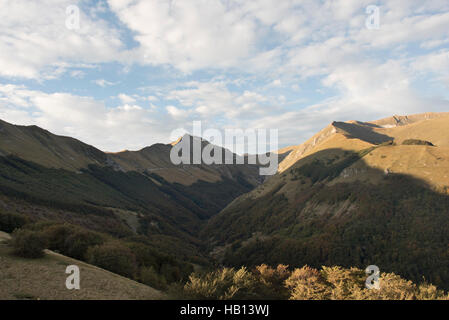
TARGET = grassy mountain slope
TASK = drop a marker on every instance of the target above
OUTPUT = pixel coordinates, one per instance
(156, 159)
(155, 197)
(429, 164)
(45, 278)
(40, 146)
(37, 145)
(433, 130)
(349, 196)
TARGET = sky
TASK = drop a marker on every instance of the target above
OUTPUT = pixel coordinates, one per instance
(124, 74)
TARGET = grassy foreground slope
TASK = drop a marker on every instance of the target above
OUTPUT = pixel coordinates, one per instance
(45, 279)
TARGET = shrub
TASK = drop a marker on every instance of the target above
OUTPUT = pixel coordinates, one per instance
(77, 244)
(39, 225)
(11, 221)
(306, 284)
(28, 244)
(417, 142)
(171, 272)
(224, 284)
(336, 283)
(114, 257)
(272, 281)
(70, 240)
(57, 236)
(430, 292)
(150, 277)
(171, 269)
(145, 255)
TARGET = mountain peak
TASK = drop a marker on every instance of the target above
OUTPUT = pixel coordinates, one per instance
(402, 120)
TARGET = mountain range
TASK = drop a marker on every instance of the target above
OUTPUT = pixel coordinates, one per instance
(141, 191)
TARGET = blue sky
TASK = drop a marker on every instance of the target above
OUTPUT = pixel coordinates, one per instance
(136, 70)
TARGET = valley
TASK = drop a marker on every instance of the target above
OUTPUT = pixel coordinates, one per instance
(353, 195)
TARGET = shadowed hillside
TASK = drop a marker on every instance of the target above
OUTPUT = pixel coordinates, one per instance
(156, 159)
(140, 192)
(38, 145)
(332, 208)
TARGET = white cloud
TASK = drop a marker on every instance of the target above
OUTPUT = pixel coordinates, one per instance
(431, 44)
(409, 29)
(254, 36)
(277, 83)
(35, 43)
(176, 113)
(437, 62)
(151, 98)
(249, 49)
(188, 34)
(126, 99)
(367, 91)
(209, 100)
(104, 83)
(79, 74)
